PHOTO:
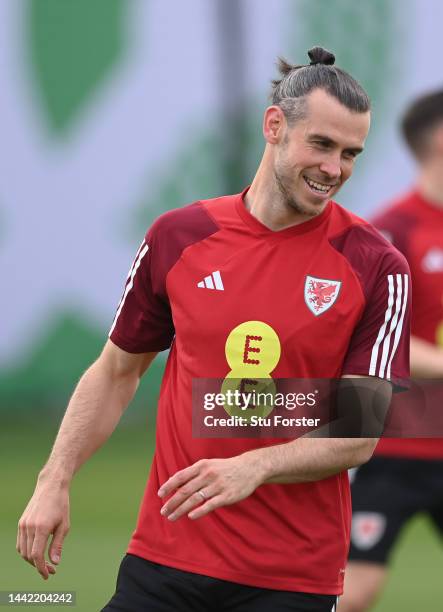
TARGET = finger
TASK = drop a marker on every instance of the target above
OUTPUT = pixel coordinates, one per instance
(215, 502)
(194, 500)
(179, 479)
(22, 544)
(50, 569)
(38, 553)
(23, 538)
(55, 550)
(30, 531)
(183, 493)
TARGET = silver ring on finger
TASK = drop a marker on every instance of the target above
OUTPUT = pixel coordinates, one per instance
(202, 494)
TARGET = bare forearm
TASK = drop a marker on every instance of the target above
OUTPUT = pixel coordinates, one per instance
(95, 408)
(310, 459)
(93, 412)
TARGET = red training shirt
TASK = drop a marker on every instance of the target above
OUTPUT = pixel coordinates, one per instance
(326, 297)
(415, 227)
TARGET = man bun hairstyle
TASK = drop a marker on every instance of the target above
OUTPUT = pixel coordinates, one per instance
(420, 118)
(318, 55)
(297, 81)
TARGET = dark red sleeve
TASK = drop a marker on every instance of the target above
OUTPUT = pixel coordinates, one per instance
(380, 343)
(143, 322)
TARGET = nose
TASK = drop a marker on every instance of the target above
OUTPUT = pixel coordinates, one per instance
(331, 167)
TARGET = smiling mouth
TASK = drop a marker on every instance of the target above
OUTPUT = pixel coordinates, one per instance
(318, 188)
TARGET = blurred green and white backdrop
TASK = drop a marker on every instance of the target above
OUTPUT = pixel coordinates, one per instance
(111, 112)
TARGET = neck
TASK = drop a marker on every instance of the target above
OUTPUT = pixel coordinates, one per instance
(430, 184)
(266, 203)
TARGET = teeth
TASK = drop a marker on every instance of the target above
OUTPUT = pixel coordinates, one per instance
(317, 186)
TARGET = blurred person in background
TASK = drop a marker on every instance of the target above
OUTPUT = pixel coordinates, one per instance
(406, 475)
(243, 524)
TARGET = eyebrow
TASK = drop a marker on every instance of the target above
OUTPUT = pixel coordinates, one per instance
(329, 141)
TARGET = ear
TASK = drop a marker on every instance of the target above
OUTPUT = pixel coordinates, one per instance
(274, 123)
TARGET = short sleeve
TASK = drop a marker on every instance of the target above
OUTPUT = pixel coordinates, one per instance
(143, 320)
(379, 345)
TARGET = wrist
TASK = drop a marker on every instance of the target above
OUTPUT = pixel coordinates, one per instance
(261, 465)
(54, 476)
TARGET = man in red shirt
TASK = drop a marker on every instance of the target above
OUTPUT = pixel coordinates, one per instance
(406, 475)
(276, 282)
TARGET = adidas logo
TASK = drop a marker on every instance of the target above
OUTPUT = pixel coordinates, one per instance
(213, 281)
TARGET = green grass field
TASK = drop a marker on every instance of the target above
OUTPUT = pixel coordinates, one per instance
(104, 505)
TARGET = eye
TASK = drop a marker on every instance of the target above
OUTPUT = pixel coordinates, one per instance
(322, 144)
(350, 155)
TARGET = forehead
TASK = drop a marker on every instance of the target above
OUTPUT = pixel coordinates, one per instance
(328, 117)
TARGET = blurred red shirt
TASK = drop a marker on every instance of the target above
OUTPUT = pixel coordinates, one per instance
(415, 227)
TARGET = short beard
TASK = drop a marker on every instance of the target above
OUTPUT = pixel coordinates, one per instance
(288, 200)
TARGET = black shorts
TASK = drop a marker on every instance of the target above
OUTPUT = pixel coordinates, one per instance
(386, 493)
(144, 586)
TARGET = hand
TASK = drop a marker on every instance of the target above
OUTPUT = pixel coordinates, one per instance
(209, 484)
(46, 513)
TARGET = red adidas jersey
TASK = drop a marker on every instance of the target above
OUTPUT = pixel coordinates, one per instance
(207, 269)
(415, 227)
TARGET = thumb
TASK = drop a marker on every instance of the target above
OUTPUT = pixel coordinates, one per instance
(55, 550)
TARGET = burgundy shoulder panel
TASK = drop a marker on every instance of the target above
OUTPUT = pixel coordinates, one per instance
(172, 233)
(143, 321)
(367, 252)
(380, 342)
